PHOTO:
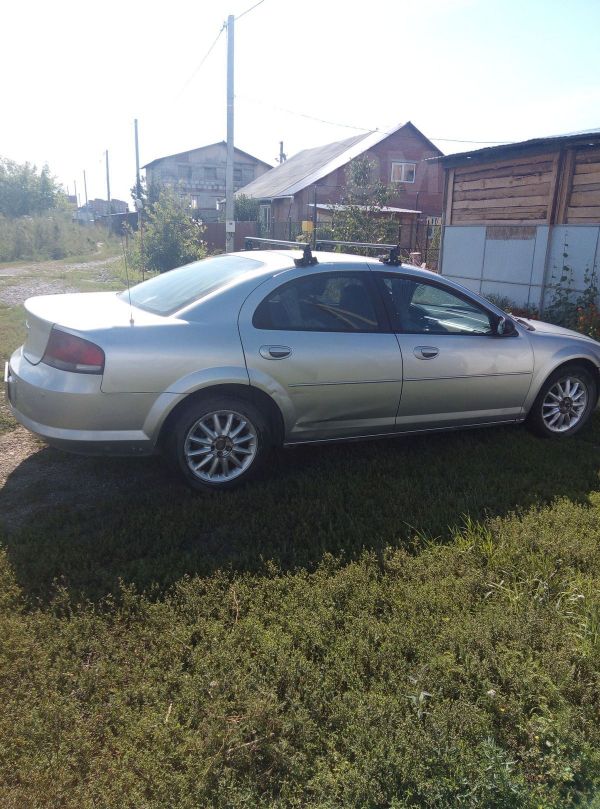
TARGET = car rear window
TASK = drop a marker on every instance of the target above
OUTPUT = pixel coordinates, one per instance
(173, 290)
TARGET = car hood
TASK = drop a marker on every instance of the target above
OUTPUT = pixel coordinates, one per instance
(549, 328)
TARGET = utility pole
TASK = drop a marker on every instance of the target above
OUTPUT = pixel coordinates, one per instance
(138, 192)
(229, 204)
(76, 199)
(282, 156)
(138, 185)
(314, 217)
(108, 192)
(85, 189)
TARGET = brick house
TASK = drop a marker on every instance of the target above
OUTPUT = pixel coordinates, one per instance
(289, 192)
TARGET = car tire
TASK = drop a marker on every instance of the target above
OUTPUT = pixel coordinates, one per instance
(218, 442)
(556, 413)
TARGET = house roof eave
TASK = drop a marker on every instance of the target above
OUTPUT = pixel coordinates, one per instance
(533, 145)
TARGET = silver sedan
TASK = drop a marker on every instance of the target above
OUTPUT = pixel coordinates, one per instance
(215, 363)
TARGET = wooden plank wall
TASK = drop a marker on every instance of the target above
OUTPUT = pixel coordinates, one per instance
(584, 201)
(510, 192)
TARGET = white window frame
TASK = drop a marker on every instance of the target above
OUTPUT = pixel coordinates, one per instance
(403, 165)
(265, 215)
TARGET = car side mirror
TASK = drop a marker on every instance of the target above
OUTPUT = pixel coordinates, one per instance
(504, 327)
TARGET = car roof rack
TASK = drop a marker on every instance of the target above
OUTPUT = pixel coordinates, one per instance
(307, 259)
(393, 259)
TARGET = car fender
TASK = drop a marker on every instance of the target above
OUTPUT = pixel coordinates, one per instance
(191, 383)
(544, 369)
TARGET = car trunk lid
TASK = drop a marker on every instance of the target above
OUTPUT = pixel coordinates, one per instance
(79, 313)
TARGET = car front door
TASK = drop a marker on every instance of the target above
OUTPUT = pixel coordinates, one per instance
(318, 341)
(457, 369)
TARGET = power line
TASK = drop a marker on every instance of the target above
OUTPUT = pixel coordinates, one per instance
(204, 58)
(248, 10)
(362, 128)
(304, 115)
(457, 140)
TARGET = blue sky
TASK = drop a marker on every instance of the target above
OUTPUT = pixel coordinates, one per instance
(76, 74)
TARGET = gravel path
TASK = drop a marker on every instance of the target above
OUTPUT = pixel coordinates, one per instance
(37, 279)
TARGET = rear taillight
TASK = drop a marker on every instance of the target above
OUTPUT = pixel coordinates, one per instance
(71, 353)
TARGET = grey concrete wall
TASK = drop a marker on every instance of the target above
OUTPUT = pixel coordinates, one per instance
(520, 263)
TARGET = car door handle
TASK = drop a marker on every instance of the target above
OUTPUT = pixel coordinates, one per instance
(426, 352)
(275, 352)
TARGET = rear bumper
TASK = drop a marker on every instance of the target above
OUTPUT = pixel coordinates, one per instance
(70, 411)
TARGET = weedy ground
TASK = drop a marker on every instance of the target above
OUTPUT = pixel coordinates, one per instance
(407, 623)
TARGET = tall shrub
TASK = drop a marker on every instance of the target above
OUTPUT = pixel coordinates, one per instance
(171, 236)
(359, 216)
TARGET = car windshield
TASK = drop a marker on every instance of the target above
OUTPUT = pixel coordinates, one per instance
(171, 291)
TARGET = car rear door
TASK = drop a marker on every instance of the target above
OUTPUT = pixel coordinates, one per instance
(318, 341)
(457, 369)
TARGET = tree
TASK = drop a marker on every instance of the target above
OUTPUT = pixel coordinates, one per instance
(149, 193)
(359, 216)
(246, 209)
(171, 236)
(24, 191)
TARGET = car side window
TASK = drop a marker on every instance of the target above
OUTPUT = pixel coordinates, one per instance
(330, 302)
(426, 308)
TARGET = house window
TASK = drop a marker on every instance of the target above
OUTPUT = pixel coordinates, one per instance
(264, 217)
(403, 172)
(433, 226)
(210, 174)
(184, 173)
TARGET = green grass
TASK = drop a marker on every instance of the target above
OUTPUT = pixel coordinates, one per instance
(408, 623)
(12, 334)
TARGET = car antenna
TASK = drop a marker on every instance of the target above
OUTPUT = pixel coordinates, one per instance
(131, 321)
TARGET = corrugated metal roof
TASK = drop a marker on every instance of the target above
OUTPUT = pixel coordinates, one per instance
(534, 143)
(296, 171)
(311, 165)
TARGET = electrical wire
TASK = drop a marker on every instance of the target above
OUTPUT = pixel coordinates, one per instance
(458, 140)
(204, 58)
(362, 128)
(302, 114)
(248, 10)
(210, 50)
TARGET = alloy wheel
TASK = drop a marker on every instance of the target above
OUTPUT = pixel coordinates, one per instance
(564, 404)
(220, 446)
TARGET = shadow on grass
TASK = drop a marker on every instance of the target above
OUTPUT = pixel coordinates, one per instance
(92, 523)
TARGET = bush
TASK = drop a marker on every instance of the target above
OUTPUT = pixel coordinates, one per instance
(359, 217)
(171, 237)
(40, 238)
(246, 209)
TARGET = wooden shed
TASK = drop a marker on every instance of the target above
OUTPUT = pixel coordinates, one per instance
(516, 215)
(538, 182)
